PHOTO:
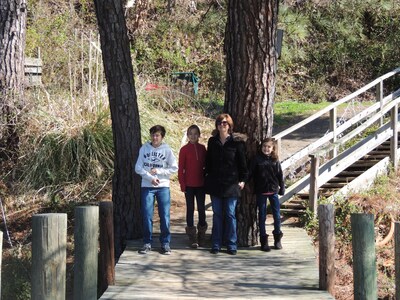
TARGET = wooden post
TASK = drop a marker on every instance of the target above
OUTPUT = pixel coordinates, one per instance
(395, 138)
(326, 214)
(49, 256)
(313, 195)
(86, 247)
(379, 97)
(278, 144)
(364, 259)
(397, 257)
(106, 255)
(332, 128)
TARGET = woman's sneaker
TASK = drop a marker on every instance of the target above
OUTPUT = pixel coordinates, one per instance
(145, 249)
(166, 250)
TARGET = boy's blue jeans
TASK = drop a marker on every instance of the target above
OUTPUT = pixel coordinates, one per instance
(221, 230)
(148, 195)
(262, 212)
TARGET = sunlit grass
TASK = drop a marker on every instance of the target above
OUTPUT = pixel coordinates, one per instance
(286, 111)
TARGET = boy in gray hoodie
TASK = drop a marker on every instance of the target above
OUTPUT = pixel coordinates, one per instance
(155, 164)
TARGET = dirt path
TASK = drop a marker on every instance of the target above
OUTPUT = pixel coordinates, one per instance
(302, 137)
(312, 131)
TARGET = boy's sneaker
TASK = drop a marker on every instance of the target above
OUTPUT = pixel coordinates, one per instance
(166, 250)
(145, 249)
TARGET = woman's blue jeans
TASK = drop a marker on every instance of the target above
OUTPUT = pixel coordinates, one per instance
(262, 212)
(224, 230)
(148, 195)
(190, 194)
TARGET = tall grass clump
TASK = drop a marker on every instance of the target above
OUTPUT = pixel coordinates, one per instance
(60, 158)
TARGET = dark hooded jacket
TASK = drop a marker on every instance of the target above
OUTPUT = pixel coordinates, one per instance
(225, 166)
(267, 174)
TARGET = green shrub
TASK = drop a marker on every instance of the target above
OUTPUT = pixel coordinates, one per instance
(343, 210)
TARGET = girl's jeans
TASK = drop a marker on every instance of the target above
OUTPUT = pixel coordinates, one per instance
(190, 194)
(262, 212)
(164, 203)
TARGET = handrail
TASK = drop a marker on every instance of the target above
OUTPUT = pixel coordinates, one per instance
(336, 104)
(333, 138)
(332, 135)
(337, 164)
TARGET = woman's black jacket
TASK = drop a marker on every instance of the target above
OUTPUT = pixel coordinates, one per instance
(267, 174)
(225, 166)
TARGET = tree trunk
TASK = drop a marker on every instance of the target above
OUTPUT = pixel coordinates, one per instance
(12, 46)
(125, 120)
(251, 58)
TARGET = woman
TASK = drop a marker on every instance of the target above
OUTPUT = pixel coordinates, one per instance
(226, 173)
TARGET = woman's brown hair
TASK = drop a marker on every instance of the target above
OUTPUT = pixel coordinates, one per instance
(228, 119)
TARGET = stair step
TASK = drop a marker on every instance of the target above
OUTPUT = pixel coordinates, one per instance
(373, 157)
(289, 205)
(295, 212)
(302, 195)
(347, 173)
(379, 152)
(330, 185)
(346, 179)
(328, 192)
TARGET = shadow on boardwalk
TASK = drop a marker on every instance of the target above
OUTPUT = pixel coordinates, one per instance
(290, 273)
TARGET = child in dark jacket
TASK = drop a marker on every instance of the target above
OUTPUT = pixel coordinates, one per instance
(191, 179)
(266, 171)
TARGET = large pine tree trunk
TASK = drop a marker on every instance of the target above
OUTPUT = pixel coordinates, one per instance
(125, 120)
(251, 58)
(12, 46)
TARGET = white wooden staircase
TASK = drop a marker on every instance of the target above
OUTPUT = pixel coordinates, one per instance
(351, 154)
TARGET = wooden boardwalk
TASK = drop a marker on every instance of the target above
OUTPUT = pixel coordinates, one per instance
(291, 273)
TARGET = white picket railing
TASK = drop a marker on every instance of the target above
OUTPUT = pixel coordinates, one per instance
(330, 144)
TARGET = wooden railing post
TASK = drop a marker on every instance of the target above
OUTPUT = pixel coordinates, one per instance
(332, 128)
(106, 255)
(364, 259)
(49, 256)
(278, 144)
(86, 233)
(313, 194)
(394, 140)
(379, 97)
(397, 257)
(326, 214)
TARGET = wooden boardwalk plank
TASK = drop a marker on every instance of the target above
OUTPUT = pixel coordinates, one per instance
(291, 273)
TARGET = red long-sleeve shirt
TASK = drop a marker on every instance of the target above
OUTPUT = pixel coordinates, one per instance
(191, 165)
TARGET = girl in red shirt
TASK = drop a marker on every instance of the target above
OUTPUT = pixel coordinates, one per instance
(191, 179)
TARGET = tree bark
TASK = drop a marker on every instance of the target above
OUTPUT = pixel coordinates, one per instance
(125, 120)
(251, 59)
(12, 46)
